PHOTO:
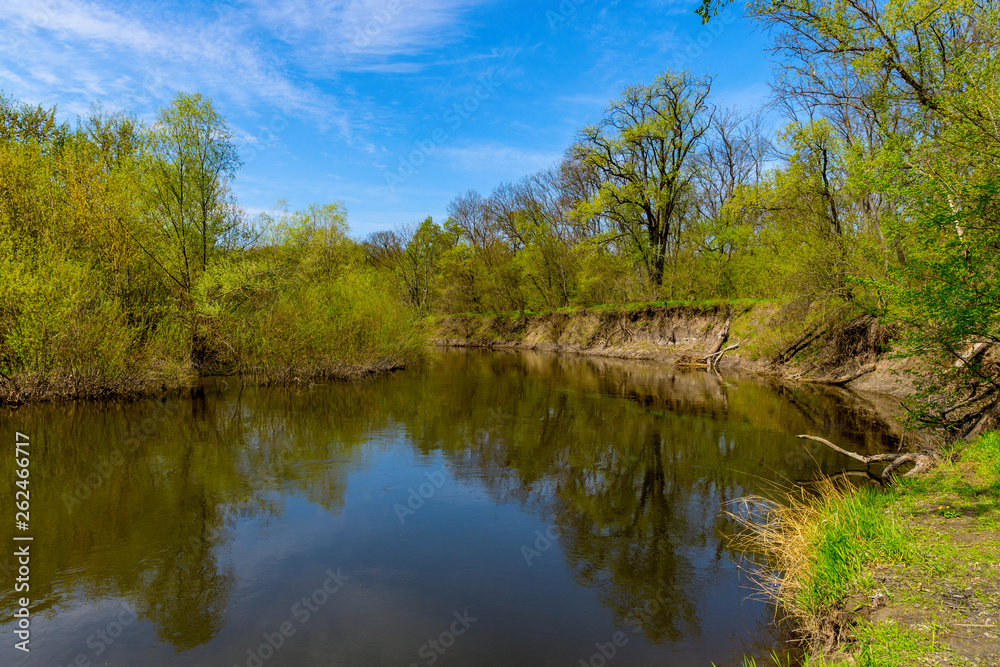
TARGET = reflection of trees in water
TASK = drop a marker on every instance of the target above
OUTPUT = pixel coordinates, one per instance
(630, 462)
(621, 530)
(186, 591)
(150, 523)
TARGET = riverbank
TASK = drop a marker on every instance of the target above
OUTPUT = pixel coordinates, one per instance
(820, 342)
(902, 577)
(25, 388)
(906, 577)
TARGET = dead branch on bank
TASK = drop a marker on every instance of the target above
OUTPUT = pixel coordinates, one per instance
(844, 379)
(986, 420)
(723, 337)
(976, 350)
(714, 359)
(710, 361)
(922, 460)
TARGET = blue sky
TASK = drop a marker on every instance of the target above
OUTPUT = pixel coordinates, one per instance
(391, 106)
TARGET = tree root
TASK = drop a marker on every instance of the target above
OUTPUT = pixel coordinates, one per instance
(923, 460)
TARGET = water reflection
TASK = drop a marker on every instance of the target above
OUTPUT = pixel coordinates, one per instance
(583, 498)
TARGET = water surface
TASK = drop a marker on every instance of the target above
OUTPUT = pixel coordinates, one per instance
(486, 509)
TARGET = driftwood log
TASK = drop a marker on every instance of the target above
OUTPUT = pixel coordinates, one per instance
(922, 460)
(708, 361)
(711, 360)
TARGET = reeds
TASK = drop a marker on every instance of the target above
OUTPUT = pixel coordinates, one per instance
(813, 549)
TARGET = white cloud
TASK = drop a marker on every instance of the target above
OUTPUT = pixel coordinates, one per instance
(253, 53)
(77, 47)
(362, 33)
(491, 157)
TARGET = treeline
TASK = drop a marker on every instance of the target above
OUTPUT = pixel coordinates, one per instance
(126, 262)
(668, 197)
(880, 188)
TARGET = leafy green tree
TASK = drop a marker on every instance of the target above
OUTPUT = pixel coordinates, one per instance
(642, 153)
(195, 158)
(192, 158)
(413, 255)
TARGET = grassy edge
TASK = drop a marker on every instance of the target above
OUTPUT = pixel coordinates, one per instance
(819, 553)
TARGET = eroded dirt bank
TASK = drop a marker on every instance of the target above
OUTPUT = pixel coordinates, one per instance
(934, 605)
(802, 343)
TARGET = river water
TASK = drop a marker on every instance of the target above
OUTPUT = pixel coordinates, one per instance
(485, 509)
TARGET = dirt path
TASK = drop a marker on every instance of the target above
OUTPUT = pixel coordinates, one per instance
(941, 605)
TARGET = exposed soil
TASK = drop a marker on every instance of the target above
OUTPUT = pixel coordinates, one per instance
(795, 342)
(951, 593)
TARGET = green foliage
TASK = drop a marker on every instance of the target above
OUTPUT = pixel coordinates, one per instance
(855, 532)
(56, 325)
(125, 262)
(881, 192)
(641, 153)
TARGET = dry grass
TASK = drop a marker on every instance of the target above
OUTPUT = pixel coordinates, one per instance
(813, 549)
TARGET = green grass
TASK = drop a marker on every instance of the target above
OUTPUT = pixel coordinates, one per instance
(965, 483)
(828, 548)
(704, 304)
(888, 645)
(855, 532)
(818, 549)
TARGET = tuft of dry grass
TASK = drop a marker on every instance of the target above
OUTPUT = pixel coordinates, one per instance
(813, 550)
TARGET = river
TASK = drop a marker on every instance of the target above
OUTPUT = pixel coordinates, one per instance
(485, 509)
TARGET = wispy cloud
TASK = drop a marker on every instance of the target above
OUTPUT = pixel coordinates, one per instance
(361, 34)
(515, 160)
(252, 53)
(79, 48)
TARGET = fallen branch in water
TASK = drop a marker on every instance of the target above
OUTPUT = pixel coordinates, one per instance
(714, 359)
(922, 460)
(708, 361)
